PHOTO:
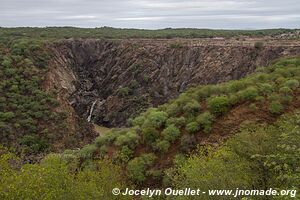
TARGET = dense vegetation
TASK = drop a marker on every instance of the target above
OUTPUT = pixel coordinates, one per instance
(28, 119)
(259, 157)
(115, 33)
(170, 131)
(54, 179)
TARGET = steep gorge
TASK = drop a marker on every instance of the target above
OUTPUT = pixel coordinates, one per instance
(109, 81)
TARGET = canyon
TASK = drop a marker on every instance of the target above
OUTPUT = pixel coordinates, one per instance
(107, 82)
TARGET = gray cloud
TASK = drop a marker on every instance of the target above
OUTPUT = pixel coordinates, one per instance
(152, 14)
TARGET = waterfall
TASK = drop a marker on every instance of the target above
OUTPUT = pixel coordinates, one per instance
(91, 111)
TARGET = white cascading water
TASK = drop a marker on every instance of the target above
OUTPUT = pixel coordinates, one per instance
(91, 111)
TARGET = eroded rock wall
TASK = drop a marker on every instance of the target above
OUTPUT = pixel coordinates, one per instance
(125, 77)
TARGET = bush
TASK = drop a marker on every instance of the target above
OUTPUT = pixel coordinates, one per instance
(286, 99)
(248, 94)
(276, 107)
(130, 139)
(107, 138)
(157, 118)
(285, 90)
(187, 143)
(123, 91)
(138, 121)
(136, 168)
(34, 144)
(103, 150)
(125, 154)
(6, 116)
(218, 105)
(191, 107)
(233, 99)
(172, 109)
(266, 88)
(235, 86)
(205, 120)
(161, 145)
(87, 151)
(293, 84)
(192, 127)
(179, 159)
(178, 122)
(150, 134)
(171, 133)
(204, 92)
(274, 97)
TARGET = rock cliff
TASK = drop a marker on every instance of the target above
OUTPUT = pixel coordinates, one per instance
(109, 81)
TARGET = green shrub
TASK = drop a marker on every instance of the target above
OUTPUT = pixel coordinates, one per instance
(172, 109)
(179, 159)
(205, 120)
(137, 167)
(103, 150)
(187, 143)
(203, 92)
(262, 77)
(192, 127)
(125, 154)
(293, 84)
(150, 134)
(154, 174)
(276, 107)
(286, 99)
(266, 88)
(88, 151)
(130, 139)
(146, 78)
(249, 93)
(107, 138)
(123, 91)
(162, 145)
(34, 144)
(157, 118)
(233, 99)
(274, 97)
(136, 170)
(191, 107)
(218, 105)
(285, 90)
(235, 86)
(177, 121)
(171, 133)
(138, 121)
(6, 116)
(280, 80)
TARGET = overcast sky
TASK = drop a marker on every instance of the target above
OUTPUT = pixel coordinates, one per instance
(152, 14)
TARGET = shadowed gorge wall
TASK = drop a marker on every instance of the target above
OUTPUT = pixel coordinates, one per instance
(109, 81)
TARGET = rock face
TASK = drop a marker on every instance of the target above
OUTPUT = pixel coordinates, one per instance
(108, 81)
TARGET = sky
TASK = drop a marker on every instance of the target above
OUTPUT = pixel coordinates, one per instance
(152, 14)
